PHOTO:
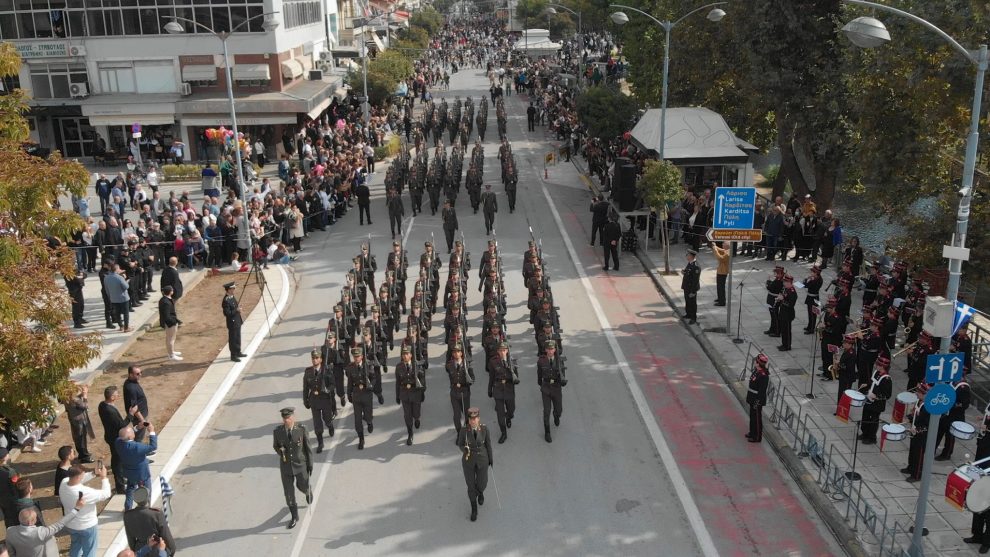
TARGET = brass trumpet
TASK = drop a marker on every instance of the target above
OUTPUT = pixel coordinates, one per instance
(860, 333)
(903, 350)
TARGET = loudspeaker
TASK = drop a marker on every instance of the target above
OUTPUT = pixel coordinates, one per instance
(624, 187)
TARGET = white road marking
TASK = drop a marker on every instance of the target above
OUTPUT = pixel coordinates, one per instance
(666, 456)
(318, 488)
(405, 237)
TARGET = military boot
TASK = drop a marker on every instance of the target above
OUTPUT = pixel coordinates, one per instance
(474, 511)
(294, 510)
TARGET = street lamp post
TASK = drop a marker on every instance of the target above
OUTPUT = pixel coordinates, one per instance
(551, 9)
(174, 27)
(620, 18)
(868, 32)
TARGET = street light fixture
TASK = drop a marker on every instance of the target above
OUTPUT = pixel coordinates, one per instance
(551, 10)
(869, 32)
(174, 27)
(620, 18)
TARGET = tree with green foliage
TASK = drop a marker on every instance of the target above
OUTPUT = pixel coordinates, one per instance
(38, 350)
(427, 19)
(606, 112)
(661, 186)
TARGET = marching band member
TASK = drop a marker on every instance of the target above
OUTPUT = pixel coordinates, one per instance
(756, 397)
(869, 350)
(962, 343)
(846, 369)
(775, 286)
(786, 301)
(877, 391)
(833, 328)
(919, 437)
(956, 414)
(814, 286)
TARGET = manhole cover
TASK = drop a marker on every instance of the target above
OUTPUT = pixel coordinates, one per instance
(794, 371)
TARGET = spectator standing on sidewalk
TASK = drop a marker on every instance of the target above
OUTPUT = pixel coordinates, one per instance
(29, 540)
(75, 285)
(25, 490)
(82, 526)
(118, 291)
(599, 218)
(134, 396)
(169, 321)
(77, 409)
(691, 284)
(66, 454)
(112, 424)
(8, 496)
(722, 273)
(134, 460)
(170, 277)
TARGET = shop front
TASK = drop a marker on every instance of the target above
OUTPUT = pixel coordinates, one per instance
(114, 116)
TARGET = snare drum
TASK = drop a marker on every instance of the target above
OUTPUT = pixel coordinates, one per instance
(903, 406)
(851, 405)
(978, 495)
(894, 432)
(957, 486)
(962, 430)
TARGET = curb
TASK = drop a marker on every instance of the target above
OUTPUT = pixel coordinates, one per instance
(836, 523)
(110, 360)
(843, 534)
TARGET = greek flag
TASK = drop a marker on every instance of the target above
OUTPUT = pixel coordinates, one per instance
(167, 494)
(961, 317)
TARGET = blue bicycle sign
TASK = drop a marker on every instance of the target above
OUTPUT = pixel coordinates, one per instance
(940, 399)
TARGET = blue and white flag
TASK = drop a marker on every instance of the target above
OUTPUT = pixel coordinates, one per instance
(961, 317)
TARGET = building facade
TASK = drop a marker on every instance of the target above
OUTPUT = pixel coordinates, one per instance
(94, 69)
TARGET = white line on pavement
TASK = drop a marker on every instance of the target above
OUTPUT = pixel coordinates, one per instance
(666, 456)
(405, 237)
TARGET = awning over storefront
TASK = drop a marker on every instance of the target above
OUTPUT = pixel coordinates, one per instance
(199, 72)
(251, 72)
(302, 98)
(292, 69)
(341, 93)
(318, 109)
(125, 109)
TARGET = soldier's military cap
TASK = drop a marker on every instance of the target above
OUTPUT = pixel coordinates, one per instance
(366, 330)
(364, 246)
(407, 349)
(458, 243)
(532, 244)
(494, 325)
(337, 308)
(458, 348)
(473, 412)
(416, 304)
(491, 242)
(551, 344)
(374, 308)
(357, 259)
(547, 325)
(545, 301)
(504, 345)
(357, 351)
(396, 243)
(331, 334)
(692, 252)
(141, 495)
(428, 244)
(287, 411)
(488, 186)
(230, 285)
(315, 354)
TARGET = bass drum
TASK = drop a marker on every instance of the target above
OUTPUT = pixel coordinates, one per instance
(978, 495)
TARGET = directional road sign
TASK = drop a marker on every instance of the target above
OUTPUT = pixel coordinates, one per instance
(735, 208)
(940, 399)
(940, 368)
(742, 235)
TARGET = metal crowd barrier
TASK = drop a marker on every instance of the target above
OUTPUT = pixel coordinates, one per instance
(863, 506)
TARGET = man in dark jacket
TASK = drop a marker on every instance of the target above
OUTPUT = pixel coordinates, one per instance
(75, 286)
(142, 522)
(8, 494)
(599, 217)
(170, 277)
(611, 236)
(691, 284)
(169, 321)
(363, 195)
(773, 228)
(113, 422)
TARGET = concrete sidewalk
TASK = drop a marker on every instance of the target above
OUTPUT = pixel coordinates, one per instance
(184, 427)
(883, 485)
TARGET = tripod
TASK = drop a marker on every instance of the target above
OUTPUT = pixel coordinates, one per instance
(259, 279)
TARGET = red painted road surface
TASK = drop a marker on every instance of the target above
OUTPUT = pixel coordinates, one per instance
(740, 488)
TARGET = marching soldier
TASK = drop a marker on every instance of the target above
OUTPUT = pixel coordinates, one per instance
(461, 377)
(502, 381)
(335, 358)
(380, 334)
(489, 260)
(550, 376)
(449, 216)
(476, 446)
(340, 326)
(361, 383)
(295, 461)
(410, 391)
(398, 265)
(786, 301)
(511, 179)
(232, 312)
(877, 391)
(756, 397)
(395, 212)
(368, 267)
(489, 206)
(318, 397)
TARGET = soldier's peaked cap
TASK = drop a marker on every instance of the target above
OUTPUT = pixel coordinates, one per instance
(357, 351)
(473, 412)
(287, 411)
(315, 354)
(230, 285)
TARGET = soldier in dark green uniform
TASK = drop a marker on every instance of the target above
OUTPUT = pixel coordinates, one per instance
(232, 312)
(476, 447)
(502, 381)
(410, 390)
(550, 376)
(318, 397)
(362, 381)
(295, 461)
(461, 377)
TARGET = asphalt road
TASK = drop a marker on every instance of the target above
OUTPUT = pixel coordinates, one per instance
(609, 484)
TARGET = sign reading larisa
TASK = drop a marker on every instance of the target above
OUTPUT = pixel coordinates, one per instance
(735, 208)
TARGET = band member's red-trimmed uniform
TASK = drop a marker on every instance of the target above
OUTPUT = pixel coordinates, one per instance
(756, 397)
(877, 391)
